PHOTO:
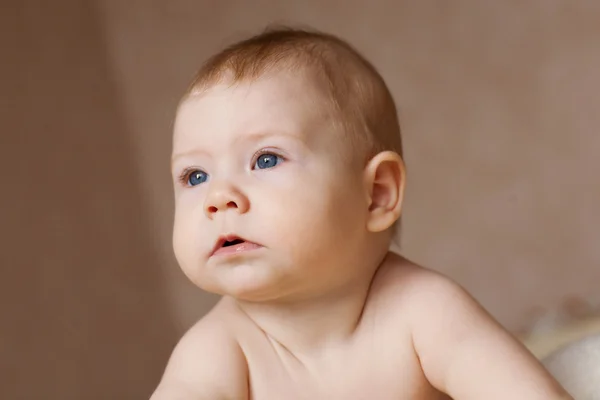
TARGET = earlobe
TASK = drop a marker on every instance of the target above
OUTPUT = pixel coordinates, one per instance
(384, 181)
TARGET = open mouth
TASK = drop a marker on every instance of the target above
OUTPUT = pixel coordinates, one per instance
(233, 244)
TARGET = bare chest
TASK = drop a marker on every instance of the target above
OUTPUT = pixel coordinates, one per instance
(359, 372)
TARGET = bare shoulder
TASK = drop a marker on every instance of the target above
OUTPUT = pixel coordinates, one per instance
(207, 363)
(426, 299)
(402, 282)
(408, 298)
(463, 351)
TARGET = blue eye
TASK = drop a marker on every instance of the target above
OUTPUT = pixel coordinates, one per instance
(267, 160)
(196, 177)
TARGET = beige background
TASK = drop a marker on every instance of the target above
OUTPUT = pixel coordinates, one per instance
(500, 106)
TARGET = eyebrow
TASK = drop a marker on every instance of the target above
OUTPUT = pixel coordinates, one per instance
(189, 153)
(258, 136)
(249, 138)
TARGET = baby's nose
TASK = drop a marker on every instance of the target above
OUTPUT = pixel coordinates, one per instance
(223, 197)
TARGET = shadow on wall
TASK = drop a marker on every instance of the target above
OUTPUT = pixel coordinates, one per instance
(84, 313)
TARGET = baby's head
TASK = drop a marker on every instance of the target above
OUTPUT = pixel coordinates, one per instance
(287, 168)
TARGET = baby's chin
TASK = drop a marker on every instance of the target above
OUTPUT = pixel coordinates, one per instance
(251, 283)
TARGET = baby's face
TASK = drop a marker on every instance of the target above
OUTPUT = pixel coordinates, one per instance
(266, 207)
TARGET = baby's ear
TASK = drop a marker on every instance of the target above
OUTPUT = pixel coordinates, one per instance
(384, 178)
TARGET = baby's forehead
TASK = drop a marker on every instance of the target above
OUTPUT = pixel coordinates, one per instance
(274, 102)
(281, 89)
(284, 108)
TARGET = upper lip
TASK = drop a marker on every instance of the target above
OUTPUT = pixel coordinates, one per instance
(225, 238)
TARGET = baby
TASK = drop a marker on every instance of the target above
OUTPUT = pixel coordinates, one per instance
(289, 181)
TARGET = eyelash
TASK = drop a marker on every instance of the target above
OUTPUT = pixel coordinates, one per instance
(185, 174)
(262, 152)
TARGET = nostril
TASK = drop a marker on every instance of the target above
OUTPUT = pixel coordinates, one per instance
(214, 209)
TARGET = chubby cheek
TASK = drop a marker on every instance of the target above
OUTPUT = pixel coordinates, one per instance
(187, 240)
(309, 215)
(180, 238)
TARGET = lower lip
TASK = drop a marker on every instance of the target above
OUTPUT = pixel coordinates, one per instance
(237, 248)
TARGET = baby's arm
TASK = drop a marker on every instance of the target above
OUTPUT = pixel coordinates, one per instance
(206, 364)
(466, 354)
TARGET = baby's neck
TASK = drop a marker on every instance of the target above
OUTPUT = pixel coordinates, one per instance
(307, 328)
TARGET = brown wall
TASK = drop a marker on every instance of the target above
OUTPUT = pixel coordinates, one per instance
(83, 309)
(499, 105)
